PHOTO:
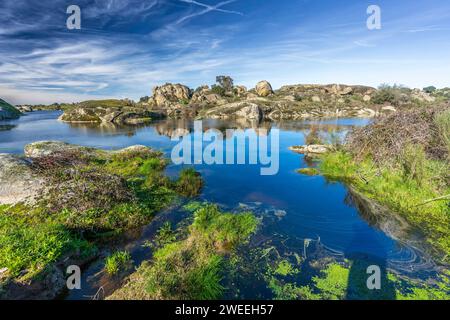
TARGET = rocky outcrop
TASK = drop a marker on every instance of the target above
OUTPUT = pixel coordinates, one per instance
(18, 181)
(311, 149)
(120, 112)
(422, 96)
(295, 102)
(22, 181)
(8, 111)
(204, 96)
(170, 95)
(47, 148)
(24, 108)
(246, 110)
(240, 91)
(263, 88)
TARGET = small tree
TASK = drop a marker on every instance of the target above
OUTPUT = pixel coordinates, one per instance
(225, 82)
(429, 89)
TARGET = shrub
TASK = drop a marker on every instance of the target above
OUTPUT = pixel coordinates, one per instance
(218, 90)
(430, 89)
(443, 127)
(394, 95)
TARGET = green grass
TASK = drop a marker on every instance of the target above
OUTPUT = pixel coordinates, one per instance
(102, 195)
(117, 262)
(29, 242)
(401, 190)
(192, 268)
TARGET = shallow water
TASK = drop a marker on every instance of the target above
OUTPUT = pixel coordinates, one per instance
(301, 207)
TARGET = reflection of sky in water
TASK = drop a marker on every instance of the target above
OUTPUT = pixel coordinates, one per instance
(314, 207)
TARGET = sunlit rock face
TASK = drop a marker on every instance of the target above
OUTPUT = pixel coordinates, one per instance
(170, 94)
(263, 88)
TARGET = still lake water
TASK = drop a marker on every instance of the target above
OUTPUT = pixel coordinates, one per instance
(305, 207)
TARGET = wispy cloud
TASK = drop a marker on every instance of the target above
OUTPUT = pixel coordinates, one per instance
(208, 8)
(126, 47)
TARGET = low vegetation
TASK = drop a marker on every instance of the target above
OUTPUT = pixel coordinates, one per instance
(347, 281)
(92, 195)
(192, 267)
(117, 262)
(402, 162)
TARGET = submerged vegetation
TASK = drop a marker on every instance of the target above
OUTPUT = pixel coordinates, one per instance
(192, 267)
(90, 195)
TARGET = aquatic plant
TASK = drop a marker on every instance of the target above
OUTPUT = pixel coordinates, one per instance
(117, 262)
(189, 183)
(192, 268)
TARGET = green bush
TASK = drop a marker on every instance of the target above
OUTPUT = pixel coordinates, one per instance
(218, 90)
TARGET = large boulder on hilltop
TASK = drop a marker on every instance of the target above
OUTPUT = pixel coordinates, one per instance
(18, 181)
(338, 89)
(8, 111)
(263, 88)
(170, 94)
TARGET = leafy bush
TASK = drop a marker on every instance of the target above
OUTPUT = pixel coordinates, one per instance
(394, 95)
(218, 90)
(430, 89)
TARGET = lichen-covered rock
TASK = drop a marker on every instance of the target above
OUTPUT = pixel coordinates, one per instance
(22, 181)
(18, 182)
(311, 149)
(240, 90)
(247, 110)
(422, 96)
(47, 148)
(263, 88)
(116, 115)
(170, 95)
(24, 108)
(250, 112)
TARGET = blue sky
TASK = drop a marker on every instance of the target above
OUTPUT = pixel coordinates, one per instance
(125, 47)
